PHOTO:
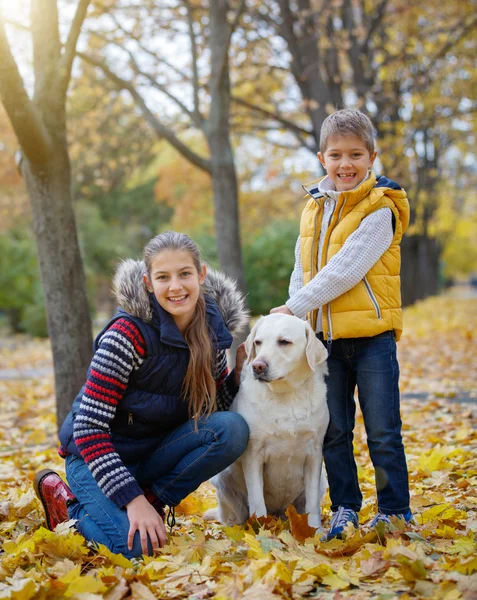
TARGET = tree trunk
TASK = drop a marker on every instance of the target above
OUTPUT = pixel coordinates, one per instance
(420, 268)
(62, 276)
(40, 127)
(224, 177)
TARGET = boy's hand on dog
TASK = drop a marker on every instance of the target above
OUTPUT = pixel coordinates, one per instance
(144, 518)
(281, 309)
(240, 357)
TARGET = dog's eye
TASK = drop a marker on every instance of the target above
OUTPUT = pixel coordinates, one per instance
(257, 342)
(284, 342)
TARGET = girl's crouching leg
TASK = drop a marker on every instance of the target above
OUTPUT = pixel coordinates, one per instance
(231, 432)
(98, 519)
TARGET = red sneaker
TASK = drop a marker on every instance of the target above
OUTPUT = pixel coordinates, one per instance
(55, 496)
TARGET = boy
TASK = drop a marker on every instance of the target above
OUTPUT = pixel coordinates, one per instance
(346, 280)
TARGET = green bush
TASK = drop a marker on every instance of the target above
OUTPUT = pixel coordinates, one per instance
(268, 263)
(20, 291)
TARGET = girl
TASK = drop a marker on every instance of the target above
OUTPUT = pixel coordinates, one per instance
(151, 422)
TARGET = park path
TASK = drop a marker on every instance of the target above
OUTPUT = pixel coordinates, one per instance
(25, 359)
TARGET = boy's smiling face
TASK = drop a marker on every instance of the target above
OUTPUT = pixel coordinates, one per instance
(346, 160)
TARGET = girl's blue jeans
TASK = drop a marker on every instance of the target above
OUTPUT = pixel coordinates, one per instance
(370, 364)
(181, 461)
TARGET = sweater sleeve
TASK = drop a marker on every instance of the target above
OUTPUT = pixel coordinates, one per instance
(121, 350)
(348, 267)
(226, 387)
(296, 279)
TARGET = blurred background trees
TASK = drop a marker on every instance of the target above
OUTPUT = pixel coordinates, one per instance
(204, 116)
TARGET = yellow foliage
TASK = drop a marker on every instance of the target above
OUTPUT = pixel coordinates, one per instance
(268, 559)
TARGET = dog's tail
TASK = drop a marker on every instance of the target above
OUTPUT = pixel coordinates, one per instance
(211, 515)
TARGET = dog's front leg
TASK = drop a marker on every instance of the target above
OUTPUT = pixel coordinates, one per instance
(252, 462)
(313, 466)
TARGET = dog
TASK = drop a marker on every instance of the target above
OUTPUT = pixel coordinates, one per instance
(282, 397)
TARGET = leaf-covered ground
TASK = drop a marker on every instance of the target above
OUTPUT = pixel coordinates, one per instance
(434, 558)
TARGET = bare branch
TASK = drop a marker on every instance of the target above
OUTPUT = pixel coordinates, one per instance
(150, 53)
(374, 24)
(17, 25)
(160, 129)
(273, 115)
(193, 47)
(72, 40)
(197, 119)
(467, 28)
(162, 88)
(21, 111)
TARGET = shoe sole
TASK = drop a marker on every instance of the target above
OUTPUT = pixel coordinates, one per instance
(37, 485)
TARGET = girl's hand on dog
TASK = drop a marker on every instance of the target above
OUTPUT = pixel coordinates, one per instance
(144, 518)
(240, 357)
(281, 309)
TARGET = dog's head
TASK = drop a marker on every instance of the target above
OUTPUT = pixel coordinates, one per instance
(283, 348)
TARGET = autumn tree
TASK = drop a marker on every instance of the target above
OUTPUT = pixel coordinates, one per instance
(392, 59)
(197, 92)
(39, 122)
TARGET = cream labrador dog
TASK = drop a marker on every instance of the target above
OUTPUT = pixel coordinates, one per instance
(282, 397)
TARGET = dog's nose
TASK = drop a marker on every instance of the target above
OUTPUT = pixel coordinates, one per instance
(259, 366)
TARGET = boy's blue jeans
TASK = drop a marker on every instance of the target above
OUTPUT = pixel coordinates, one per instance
(371, 365)
(181, 461)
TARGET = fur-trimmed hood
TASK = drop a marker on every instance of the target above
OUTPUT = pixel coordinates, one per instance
(132, 296)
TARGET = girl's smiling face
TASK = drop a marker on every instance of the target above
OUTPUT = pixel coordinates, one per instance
(346, 160)
(175, 282)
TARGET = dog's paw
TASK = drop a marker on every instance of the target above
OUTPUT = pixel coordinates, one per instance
(314, 521)
(211, 515)
(259, 511)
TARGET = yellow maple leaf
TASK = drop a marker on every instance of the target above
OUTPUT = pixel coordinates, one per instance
(335, 582)
(115, 559)
(85, 585)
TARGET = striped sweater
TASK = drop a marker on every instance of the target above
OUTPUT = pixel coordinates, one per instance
(122, 350)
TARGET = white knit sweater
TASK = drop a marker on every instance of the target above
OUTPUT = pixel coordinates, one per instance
(345, 269)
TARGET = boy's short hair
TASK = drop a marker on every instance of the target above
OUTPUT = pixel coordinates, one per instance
(347, 122)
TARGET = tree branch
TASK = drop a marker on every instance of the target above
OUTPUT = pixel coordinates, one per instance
(451, 43)
(46, 50)
(150, 53)
(162, 88)
(160, 129)
(232, 28)
(193, 46)
(271, 115)
(375, 22)
(21, 111)
(69, 52)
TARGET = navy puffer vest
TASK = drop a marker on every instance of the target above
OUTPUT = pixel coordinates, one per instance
(153, 402)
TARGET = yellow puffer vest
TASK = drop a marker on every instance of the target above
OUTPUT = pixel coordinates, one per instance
(374, 304)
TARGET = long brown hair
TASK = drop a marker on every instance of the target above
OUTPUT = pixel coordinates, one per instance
(199, 385)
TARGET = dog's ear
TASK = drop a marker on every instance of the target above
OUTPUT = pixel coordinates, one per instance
(315, 351)
(249, 343)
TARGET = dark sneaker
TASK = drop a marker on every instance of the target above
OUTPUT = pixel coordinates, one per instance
(55, 496)
(386, 519)
(340, 520)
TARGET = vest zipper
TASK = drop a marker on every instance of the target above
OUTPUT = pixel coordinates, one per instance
(130, 419)
(311, 254)
(372, 297)
(329, 337)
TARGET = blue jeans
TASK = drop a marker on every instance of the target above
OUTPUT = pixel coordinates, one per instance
(181, 461)
(371, 365)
